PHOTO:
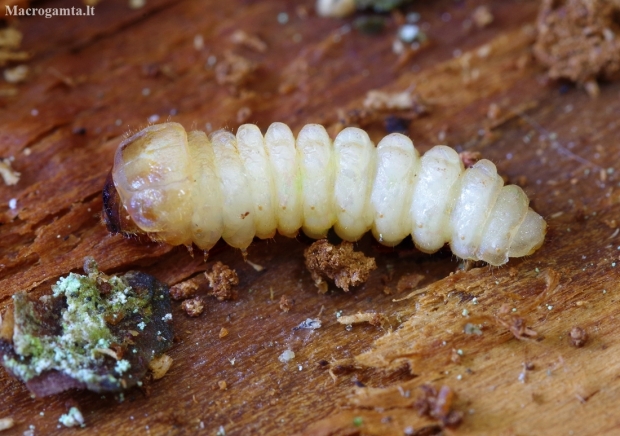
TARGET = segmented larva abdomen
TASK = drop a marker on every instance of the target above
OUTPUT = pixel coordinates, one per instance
(184, 188)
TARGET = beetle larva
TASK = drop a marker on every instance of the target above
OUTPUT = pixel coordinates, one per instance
(184, 188)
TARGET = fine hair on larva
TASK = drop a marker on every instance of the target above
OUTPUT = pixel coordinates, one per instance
(184, 188)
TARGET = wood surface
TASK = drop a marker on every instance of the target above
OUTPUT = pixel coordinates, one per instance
(91, 73)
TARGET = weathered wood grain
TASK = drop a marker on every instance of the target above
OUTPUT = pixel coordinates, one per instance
(93, 75)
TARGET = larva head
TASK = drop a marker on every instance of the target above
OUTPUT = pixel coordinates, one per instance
(116, 220)
(152, 180)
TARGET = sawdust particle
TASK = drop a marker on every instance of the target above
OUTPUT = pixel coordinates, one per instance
(160, 365)
(193, 307)
(438, 405)
(482, 16)
(222, 280)
(286, 303)
(9, 175)
(515, 324)
(234, 70)
(253, 42)
(6, 423)
(374, 319)
(381, 100)
(186, 289)
(578, 337)
(579, 40)
(338, 263)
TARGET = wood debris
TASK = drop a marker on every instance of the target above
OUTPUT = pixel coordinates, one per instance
(286, 356)
(390, 101)
(253, 42)
(186, 289)
(578, 337)
(526, 367)
(552, 280)
(341, 264)
(222, 281)
(579, 40)
(286, 303)
(335, 8)
(309, 324)
(73, 418)
(9, 175)
(375, 319)
(194, 306)
(515, 324)
(6, 423)
(438, 405)
(234, 70)
(482, 16)
(256, 266)
(494, 112)
(160, 365)
(611, 223)
(17, 74)
(376, 109)
(10, 41)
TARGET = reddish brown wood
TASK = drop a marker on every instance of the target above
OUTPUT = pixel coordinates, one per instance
(90, 73)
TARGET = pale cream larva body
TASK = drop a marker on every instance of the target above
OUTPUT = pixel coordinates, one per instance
(184, 188)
